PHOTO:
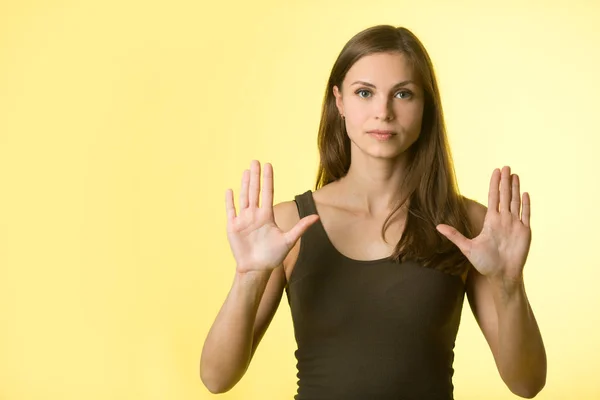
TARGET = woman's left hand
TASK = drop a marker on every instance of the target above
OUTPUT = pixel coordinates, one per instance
(500, 250)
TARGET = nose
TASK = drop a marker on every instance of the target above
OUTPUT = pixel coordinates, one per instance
(384, 109)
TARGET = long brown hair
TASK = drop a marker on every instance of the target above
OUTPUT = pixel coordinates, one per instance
(431, 191)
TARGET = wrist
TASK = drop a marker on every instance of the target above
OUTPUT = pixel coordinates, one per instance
(252, 276)
(505, 288)
(250, 285)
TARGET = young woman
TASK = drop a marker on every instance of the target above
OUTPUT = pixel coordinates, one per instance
(377, 260)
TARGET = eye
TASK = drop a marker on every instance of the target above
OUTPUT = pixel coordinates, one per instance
(359, 91)
(405, 94)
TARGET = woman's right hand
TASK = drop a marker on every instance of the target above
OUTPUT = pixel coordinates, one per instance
(256, 241)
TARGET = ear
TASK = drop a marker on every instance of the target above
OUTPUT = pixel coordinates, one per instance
(338, 100)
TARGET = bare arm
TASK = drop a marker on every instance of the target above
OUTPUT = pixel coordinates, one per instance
(495, 286)
(233, 338)
(261, 239)
(507, 322)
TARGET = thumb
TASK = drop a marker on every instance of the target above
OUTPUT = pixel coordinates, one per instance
(455, 237)
(298, 230)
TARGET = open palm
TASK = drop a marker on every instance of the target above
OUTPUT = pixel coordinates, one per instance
(502, 247)
(256, 241)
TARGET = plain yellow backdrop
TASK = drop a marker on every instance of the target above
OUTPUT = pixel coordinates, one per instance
(122, 123)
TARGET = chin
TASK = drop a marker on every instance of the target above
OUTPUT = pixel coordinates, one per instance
(384, 153)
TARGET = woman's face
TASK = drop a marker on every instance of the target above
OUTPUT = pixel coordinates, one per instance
(380, 93)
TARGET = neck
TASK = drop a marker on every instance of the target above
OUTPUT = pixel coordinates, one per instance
(373, 185)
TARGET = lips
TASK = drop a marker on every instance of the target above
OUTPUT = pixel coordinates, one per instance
(381, 132)
(386, 135)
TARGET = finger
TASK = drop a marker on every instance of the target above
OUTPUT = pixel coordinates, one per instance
(254, 184)
(455, 237)
(505, 190)
(493, 194)
(244, 190)
(229, 205)
(267, 187)
(526, 212)
(298, 230)
(515, 200)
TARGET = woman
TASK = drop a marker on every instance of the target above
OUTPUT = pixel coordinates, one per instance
(376, 262)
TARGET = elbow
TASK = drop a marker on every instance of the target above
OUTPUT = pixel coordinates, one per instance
(527, 393)
(212, 385)
(528, 380)
(212, 382)
(217, 379)
(528, 390)
(215, 390)
(218, 375)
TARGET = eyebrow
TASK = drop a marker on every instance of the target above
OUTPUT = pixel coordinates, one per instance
(399, 84)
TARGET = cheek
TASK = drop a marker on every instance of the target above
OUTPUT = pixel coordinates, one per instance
(411, 116)
(356, 114)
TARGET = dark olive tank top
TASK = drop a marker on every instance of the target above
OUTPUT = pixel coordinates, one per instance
(370, 330)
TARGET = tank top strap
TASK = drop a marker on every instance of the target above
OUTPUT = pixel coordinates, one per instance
(315, 248)
(306, 204)
(315, 236)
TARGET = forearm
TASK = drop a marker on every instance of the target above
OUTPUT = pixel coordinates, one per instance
(521, 355)
(228, 347)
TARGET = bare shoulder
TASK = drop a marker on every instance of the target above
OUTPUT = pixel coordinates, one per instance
(476, 212)
(286, 215)
(327, 195)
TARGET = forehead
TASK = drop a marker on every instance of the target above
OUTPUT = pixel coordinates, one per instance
(381, 68)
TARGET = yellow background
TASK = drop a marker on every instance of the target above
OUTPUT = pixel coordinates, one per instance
(122, 123)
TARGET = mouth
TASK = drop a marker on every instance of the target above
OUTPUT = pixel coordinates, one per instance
(381, 131)
(381, 134)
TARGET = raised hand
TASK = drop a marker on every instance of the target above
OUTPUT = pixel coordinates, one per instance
(256, 241)
(501, 249)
